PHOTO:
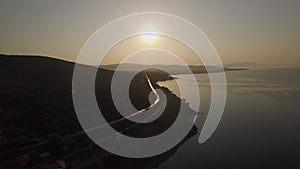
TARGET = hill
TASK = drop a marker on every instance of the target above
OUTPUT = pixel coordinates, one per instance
(37, 114)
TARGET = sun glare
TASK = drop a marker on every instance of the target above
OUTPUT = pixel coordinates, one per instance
(149, 35)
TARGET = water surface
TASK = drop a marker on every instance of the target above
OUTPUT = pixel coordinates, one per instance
(260, 125)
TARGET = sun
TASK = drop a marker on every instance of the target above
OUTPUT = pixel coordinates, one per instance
(149, 35)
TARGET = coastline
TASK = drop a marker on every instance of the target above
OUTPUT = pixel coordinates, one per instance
(37, 105)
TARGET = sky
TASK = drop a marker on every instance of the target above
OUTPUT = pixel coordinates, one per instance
(258, 31)
(139, 50)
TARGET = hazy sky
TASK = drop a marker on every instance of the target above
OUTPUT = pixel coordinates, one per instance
(140, 51)
(262, 31)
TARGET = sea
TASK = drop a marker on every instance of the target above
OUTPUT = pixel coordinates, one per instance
(260, 126)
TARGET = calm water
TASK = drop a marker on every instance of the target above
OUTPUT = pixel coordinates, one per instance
(260, 127)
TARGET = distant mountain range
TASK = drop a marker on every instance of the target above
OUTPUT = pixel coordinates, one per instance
(172, 69)
(244, 65)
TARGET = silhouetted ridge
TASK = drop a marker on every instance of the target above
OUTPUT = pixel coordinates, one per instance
(36, 71)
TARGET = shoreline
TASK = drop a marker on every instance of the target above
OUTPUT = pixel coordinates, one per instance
(38, 100)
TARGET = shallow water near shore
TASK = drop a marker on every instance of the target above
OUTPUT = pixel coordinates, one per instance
(260, 125)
